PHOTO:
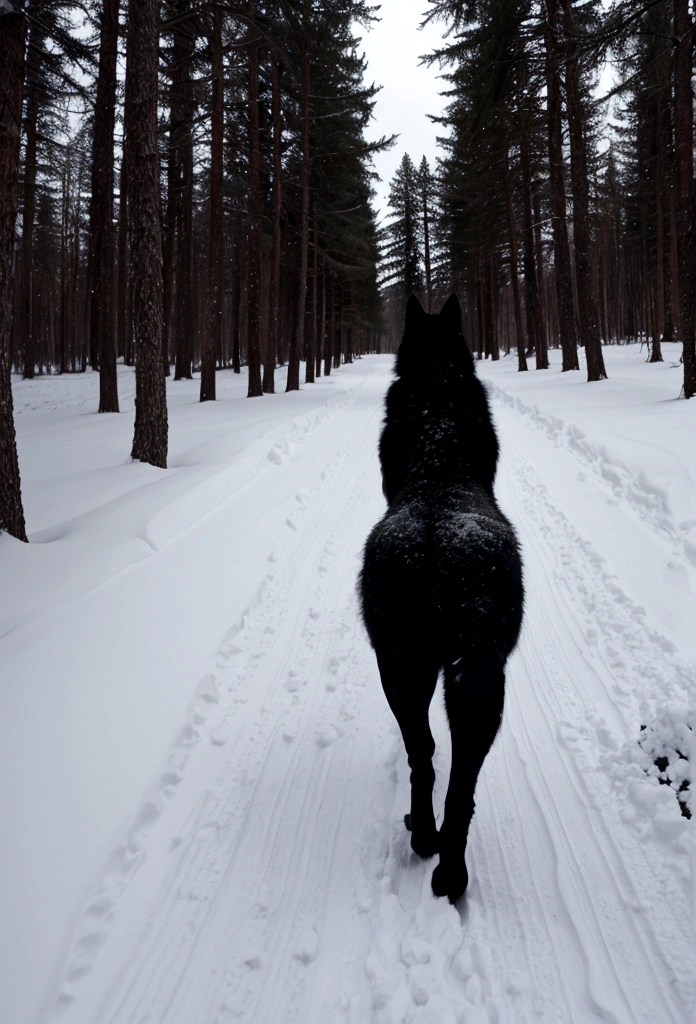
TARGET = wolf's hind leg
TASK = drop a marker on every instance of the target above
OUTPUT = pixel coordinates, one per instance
(409, 684)
(474, 694)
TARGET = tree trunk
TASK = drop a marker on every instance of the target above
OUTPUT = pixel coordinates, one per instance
(183, 108)
(237, 299)
(493, 313)
(328, 337)
(674, 257)
(321, 346)
(213, 324)
(297, 341)
(684, 146)
(656, 351)
(26, 325)
(426, 251)
(150, 435)
(587, 306)
(535, 331)
(274, 324)
(254, 262)
(101, 220)
(125, 297)
(562, 266)
(514, 275)
(12, 48)
(312, 336)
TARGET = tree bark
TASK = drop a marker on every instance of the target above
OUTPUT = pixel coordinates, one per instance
(26, 325)
(564, 288)
(274, 325)
(426, 248)
(124, 293)
(587, 306)
(297, 340)
(312, 336)
(493, 314)
(656, 349)
(328, 337)
(181, 161)
(321, 346)
(12, 48)
(150, 435)
(684, 146)
(514, 274)
(535, 332)
(237, 298)
(102, 332)
(213, 326)
(254, 263)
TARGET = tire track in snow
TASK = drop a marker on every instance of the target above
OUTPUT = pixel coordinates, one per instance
(261, 842)
(280, 885)
(568, 733)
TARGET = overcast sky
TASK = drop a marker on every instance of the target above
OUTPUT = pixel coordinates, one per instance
(409, 90)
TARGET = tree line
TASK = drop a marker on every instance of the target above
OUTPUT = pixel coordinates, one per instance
(207, 207)
(563, 208)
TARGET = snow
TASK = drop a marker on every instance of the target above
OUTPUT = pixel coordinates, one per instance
(202, 787)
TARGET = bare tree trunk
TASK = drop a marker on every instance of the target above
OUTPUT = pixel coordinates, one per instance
(150, 435)
(328, 337)
(535, 331)
(237, 299)
(183, 321)
(27, 325)
(274, 325)
(321, 345)
(254, 283)
(656, 350)
(297, 340)
(312, 336)
(674, 259)
(102, 332)
(562, 265)
(587, 306)
(514, 275)
(12, 48)
(684, 146)
(213, 324)
(426, 251)
(493, 313)
(125, 297)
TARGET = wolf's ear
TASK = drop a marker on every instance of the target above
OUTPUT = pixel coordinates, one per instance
(415, 315)
(451, 315)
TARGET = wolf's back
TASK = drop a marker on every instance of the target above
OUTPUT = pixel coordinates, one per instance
(443, 568)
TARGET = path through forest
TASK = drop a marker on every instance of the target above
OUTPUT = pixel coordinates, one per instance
(267, 876)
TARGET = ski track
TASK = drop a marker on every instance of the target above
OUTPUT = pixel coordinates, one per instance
(269, 877)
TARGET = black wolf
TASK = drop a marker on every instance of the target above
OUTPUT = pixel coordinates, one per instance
(441, 582)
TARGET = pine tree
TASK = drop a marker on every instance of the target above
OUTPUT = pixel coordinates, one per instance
(403, 263)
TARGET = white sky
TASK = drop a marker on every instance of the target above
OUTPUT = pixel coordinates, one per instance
(410, 92)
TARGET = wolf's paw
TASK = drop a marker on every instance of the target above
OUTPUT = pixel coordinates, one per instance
(424, 842)
(450, 880)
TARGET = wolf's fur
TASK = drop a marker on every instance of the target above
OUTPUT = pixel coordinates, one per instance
(441, 582)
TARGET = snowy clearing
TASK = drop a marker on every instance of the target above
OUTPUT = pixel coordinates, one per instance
(203, 788)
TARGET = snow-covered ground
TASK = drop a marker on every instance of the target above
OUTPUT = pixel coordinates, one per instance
(202, 788)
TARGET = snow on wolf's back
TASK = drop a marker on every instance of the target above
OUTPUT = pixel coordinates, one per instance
(442, 567)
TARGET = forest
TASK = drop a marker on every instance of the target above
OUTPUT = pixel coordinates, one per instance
(187, 187)
(562, 208)
(213, 216)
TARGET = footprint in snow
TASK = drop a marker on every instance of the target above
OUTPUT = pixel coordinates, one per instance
(307, 946)
(328, 734)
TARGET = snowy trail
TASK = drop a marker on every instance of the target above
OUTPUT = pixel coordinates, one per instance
(268, 877)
